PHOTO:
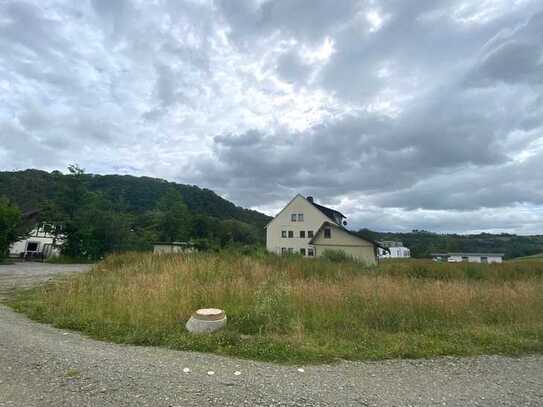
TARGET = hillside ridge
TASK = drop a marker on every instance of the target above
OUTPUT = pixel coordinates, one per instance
(30, 188)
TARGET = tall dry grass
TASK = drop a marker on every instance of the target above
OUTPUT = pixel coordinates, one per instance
(294, 309)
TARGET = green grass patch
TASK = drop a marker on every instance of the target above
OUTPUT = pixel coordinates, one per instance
(297, 310)
(534, 257)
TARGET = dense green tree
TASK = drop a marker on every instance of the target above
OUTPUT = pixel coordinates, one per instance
(234, 231)
(174, 218)
(10, 221)
(95, 229)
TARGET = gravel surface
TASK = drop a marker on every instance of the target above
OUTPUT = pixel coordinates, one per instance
(44, 366)
(27, 274)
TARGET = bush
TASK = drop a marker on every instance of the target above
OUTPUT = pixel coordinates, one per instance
(336, 256)
(10, 220)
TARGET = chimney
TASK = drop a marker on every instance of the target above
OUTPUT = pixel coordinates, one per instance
(310, 199)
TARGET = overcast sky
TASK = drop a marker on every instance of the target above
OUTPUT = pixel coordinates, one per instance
(422, 114)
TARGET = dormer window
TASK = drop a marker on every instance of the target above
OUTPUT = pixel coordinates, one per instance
(327, 233)
(293, 217)
(300, 217)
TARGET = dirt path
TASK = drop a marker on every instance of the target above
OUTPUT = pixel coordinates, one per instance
(44, 366)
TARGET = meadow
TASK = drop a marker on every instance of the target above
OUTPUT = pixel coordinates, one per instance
(290, 309)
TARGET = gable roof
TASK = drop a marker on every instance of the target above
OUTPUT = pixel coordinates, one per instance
(328, 212)
(284, 207)
(330, 224)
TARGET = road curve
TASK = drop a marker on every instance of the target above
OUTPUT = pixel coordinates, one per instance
(44, 366)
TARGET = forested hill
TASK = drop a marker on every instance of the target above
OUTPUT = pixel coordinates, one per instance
(29, 189)
(423, 243)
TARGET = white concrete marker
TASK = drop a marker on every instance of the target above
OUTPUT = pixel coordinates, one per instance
(210, 373)
(237, 373)
(206, 320)
(301, 370)
(186, 370)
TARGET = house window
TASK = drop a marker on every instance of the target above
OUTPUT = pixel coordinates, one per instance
(310, 252)
(300, 217)
(302, 252)
(290, 250)
(32, 247)
(327, 233)
(290, 234)
(283, 233)
(310, 233)
(302, 234)
(283, 250)
(293, 217)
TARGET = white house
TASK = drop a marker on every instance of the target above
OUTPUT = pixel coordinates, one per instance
(40, 242)
(468, 257)
(307, 228)
(396, 250)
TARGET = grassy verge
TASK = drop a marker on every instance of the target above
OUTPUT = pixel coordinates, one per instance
(68, 260)
(300, 310)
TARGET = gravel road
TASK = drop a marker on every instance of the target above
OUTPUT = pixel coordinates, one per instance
(44, 366)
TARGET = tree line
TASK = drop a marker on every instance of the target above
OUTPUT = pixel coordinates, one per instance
(423, 243)
(100, 214)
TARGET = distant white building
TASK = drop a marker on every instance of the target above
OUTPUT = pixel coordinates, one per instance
(468, 257)
(396, 250)
(173, 247)
(41, 242)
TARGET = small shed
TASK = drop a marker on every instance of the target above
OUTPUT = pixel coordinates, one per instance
(173, 247)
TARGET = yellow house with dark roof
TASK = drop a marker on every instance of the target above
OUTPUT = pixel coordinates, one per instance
(307, 228)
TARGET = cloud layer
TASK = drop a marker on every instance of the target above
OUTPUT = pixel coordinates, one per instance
(425, 115)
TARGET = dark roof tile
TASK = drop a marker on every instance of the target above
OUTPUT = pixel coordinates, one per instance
(330, 213)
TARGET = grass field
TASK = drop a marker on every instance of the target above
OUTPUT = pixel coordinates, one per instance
(302, 310)
(535, 257)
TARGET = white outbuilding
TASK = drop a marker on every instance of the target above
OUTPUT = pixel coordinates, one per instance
(396, 250)
(468, 257)
(41, 242)
(173, 247)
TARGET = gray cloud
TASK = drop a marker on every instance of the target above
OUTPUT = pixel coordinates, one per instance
(404, 115)
(292, 68)
(309, 21)
(514, 56)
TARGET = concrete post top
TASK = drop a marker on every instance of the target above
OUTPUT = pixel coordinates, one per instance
(209, 314)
